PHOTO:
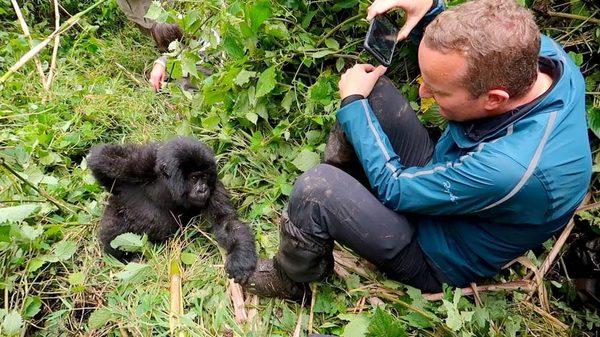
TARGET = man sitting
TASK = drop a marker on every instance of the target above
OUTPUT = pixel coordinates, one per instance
(507, 173)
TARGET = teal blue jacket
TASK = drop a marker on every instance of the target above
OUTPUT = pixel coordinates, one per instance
(486, 198)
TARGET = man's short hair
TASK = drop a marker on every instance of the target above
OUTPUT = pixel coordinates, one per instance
(500, 40)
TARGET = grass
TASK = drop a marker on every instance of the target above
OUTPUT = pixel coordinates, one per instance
(54, 280)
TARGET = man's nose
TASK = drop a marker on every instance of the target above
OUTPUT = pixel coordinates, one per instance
(423, 92)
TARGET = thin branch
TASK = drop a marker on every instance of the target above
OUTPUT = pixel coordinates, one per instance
(48, 82)
(35, 50)
(27, 34)
(56, 202)
(574, 17)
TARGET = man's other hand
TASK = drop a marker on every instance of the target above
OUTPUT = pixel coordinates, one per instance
(360, 80)
(158, 75)
(415, 11)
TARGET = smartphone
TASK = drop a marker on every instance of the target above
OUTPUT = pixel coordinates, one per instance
(381, 39)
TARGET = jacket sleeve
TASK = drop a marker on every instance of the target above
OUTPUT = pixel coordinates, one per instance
(467, 185)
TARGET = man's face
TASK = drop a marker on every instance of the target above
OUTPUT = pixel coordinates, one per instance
(442, 80)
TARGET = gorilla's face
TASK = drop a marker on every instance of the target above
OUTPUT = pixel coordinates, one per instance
(200, 186)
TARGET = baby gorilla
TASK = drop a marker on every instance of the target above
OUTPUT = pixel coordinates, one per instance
(159, 187)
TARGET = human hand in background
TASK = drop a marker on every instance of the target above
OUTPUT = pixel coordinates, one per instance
(360, 80)
(158, 75)
(415, 11)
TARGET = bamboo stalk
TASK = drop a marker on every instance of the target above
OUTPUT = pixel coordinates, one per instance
(27, 34)
(176, 307)
(237, 300)
(35, 50)
(48, 82)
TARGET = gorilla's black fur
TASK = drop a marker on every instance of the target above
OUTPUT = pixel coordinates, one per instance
(158, 187)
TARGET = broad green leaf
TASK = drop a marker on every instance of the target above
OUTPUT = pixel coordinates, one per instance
(339, 64)
(244, 77)
(252, 117)
(133, 272)
(259, 12)
(18, 213)
(594, 120)
(233, 46)
(343, 4)
(357, 325)
(12, 323)
(77, 278)
(99, 318)
(453, 321)
(577, 58)
(322, 53)
(306, 160)
(417, 320)
(383, 324)
(332, 44)
(266, 82)
(278, 30)
(287, 101)
(129, 242)
(155, 11)
(31, 233)
(35, 264)
(188, 258)
(64, 250)
(32, 306)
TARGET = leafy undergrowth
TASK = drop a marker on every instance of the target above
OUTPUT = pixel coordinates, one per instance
(266, 111)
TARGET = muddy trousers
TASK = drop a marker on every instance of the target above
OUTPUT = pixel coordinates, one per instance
(328, 203)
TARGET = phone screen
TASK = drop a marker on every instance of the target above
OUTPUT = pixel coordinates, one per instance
(381, 39)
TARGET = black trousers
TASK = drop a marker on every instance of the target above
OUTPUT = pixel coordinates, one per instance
(328, 203)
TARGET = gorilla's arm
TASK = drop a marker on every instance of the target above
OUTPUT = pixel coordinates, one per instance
(232, 234)
(128, 163)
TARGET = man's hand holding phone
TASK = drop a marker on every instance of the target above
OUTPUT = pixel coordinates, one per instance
(415, 10)
(360, 80)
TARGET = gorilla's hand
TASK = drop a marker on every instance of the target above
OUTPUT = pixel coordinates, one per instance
(241, 263)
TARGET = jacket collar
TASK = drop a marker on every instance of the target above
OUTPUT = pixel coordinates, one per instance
(471, 133)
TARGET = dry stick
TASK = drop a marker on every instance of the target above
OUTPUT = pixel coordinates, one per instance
(468, 291)
(129, 74)
(56, 202)
(298, 329)
(35, 50)
(25, 29)
(314, 287)
(574, 17)
(48, 82)
(253, 312)
(553, 320)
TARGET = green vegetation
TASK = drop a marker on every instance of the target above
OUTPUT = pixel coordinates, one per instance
(266, 111)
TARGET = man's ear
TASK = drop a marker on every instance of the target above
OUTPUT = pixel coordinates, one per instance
(495, 99)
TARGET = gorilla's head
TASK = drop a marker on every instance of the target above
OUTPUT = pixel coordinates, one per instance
(189, 169)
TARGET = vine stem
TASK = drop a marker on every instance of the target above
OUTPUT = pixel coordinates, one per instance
(338, 27)
(56, 202)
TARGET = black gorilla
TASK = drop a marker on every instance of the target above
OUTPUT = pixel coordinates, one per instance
(159, 187)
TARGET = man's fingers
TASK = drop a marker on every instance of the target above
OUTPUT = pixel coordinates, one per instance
(411, 22)
(364, 66)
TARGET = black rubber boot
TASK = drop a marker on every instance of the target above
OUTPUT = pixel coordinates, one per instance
(301, 258)
(268, 280)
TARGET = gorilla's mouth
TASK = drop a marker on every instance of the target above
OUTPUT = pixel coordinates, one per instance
(199, 198)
